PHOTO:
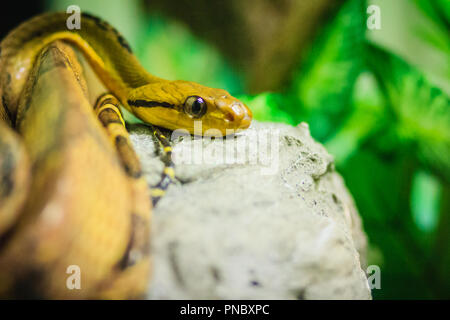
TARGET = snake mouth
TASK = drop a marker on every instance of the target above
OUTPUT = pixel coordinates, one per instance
(245, 122)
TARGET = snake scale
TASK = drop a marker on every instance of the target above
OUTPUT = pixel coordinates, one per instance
(33, 254)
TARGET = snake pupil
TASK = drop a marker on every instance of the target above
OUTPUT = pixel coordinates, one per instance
(196, 106)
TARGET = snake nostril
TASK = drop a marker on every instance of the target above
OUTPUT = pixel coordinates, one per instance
(229, 116)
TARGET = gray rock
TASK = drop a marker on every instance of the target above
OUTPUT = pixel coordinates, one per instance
(273, 220)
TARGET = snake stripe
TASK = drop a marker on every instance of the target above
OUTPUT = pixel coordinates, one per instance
(149, 104)
(106, 26)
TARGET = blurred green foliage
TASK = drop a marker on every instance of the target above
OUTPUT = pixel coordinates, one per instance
(181, 56)
(386, 118)
(378, 100)
(387, 122)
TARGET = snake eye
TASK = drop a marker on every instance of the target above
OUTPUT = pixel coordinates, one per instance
(195, 106)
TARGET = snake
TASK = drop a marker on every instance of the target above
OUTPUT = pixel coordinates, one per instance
(170, 104)
(165, 103)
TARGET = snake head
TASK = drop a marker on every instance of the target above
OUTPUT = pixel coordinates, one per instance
(181, 104)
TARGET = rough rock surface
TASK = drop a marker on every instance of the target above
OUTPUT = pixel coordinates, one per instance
(263, 216)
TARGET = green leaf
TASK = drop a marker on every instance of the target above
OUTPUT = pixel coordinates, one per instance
(323, 84)
(421, 110)
(413, 30)
(367, 118)
(168, 50)
(267, 107)
(381, 188)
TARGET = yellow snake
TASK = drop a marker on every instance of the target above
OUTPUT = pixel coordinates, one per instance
(170, 104)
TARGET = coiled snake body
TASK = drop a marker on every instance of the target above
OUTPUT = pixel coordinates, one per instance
(27, 254)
